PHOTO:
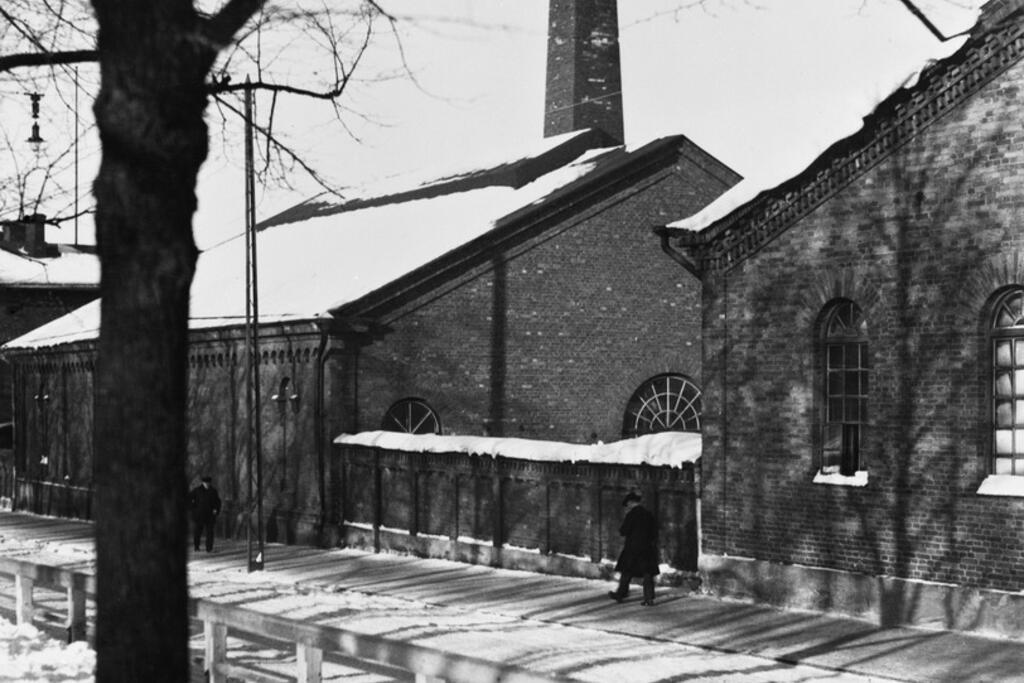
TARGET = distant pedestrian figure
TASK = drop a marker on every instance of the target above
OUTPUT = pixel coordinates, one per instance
(639, 556)
(205, 505)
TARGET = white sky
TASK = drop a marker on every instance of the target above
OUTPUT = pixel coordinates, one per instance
(763, 85)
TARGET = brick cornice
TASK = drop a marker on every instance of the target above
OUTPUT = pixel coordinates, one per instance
(897, 120)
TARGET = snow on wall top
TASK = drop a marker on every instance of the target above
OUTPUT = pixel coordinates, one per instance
(337, 254)
(672, 449)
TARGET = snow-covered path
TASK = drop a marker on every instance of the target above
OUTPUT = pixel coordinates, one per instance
(551, 625)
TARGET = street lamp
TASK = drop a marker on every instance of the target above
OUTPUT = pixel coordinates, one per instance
(35, 140)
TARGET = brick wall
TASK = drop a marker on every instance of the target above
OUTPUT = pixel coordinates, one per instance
(547, 508)
(921, 243)
(23, 310)
(292, 467)
(584, 81)
(550, 339)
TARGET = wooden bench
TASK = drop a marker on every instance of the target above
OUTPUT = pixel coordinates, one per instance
(75, 585)
(311, 641)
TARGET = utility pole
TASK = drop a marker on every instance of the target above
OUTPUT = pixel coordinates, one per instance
(252, 352)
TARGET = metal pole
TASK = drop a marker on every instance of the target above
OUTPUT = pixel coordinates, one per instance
(76, 156)
(252, 351)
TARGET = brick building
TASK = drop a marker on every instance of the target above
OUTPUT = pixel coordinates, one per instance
(527, 298)
(39, 282)
(863, 352)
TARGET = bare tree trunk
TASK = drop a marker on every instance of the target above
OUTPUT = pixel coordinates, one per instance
(150, 116)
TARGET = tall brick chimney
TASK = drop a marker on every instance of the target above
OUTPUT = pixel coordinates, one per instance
(584, 86)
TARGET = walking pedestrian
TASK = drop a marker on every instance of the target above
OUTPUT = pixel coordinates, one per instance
(205, 505)
(639, 556)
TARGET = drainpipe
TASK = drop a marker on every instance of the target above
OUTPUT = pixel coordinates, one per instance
(685, 260)
(319, 425)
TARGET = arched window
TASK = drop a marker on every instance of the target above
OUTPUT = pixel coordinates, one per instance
(845, 408)
(666, 403)
(1008, 383)
(412, 416)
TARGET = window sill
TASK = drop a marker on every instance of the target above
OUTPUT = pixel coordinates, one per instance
(1002, 485)
(858, 479)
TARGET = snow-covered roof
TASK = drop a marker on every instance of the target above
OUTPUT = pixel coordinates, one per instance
(71, 268)
(325, 252)
(672, 449)
(748, 190)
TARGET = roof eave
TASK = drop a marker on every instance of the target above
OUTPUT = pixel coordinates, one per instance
(519, 224)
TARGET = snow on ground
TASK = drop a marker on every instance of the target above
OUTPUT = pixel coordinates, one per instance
(667, 448)
(501, 630)
(28, 654)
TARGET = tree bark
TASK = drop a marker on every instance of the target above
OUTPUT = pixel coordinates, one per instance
(149, 112)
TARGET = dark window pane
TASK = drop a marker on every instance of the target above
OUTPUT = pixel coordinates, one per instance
(863, 383)
(835, 410)
(851, 411)
(850, 460)
(835, 356)
(835, 384)
(852, 356)
(851, 385)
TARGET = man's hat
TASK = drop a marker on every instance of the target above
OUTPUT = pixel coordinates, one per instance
(631, 497)
(207, 479)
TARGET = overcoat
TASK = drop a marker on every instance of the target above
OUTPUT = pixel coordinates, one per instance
(639, 554)
(205, 503)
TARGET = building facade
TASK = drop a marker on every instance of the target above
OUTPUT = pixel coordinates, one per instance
(40, 282)
(555, 317)
(862, 388)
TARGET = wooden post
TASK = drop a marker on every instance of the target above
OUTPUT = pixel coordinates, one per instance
(378, 503)
(455, 506)
(23, 607)
(596, 519)
(216, 641)
(498, 506)
(308, 663)
(545, 541)
(414, 495)
(76, 614)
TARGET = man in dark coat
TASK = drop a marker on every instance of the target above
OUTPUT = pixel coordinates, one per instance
(205, 505)
(639, 556)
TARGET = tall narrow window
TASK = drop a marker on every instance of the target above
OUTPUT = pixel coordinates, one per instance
(846, 365)
(1008, 384)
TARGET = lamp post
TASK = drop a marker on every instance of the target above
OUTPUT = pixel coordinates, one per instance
(282, 398)
(35, 140)
(252, 354)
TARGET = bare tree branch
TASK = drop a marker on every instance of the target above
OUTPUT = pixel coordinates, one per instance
(222, 87)
(16, 61)
(293, 156)
(221, 28)
(924, 20)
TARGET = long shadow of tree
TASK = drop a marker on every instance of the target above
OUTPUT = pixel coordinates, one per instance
(916, 252)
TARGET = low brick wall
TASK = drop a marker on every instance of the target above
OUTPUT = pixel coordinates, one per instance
(553, 517)
(53, 499)
(884, 600)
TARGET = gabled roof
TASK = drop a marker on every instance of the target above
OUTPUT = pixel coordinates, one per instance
(324, 256)
(735, 226)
